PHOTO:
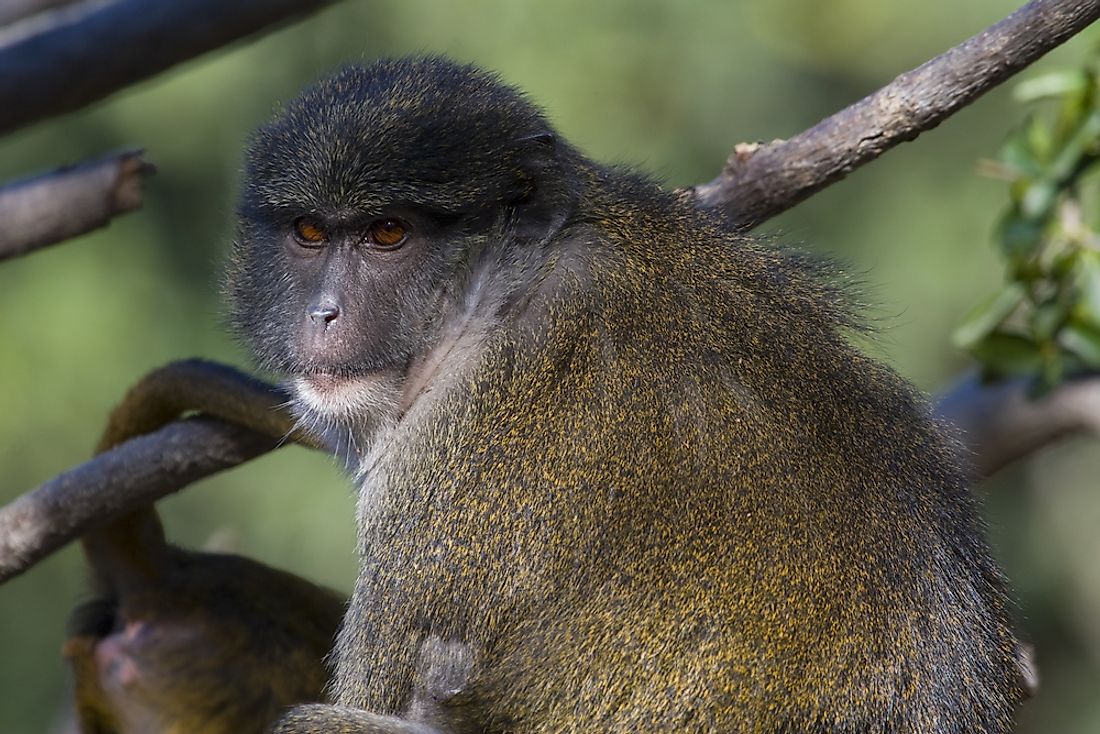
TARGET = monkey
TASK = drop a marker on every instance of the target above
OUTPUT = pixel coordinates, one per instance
(620, 466)
(177, 641)
(212, 643)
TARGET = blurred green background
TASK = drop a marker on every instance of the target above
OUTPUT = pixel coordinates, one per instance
(670, 86)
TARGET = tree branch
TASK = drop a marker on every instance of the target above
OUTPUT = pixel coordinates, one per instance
(1000, 422)
(124, 42)
(761, 181)
(69, 201)
(133, 475)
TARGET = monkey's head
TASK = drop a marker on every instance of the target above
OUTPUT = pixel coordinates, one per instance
(368, 205)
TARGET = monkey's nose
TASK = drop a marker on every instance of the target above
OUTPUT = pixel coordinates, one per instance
(324, 313)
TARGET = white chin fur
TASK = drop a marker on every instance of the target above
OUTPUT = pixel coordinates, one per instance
(346, 397)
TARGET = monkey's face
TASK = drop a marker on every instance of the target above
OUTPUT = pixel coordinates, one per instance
(364, 205)
(335, 299)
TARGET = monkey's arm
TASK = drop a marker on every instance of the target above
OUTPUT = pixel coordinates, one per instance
(321, 719)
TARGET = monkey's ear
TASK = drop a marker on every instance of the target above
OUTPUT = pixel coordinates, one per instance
(538, 159)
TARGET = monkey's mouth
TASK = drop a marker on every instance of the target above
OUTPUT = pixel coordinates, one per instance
(325, 381)
(342, 394)
(324, 390)
(325, 378)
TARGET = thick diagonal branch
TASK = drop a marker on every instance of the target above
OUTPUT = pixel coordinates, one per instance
(761, 181)
(69, 201)
(74, 64)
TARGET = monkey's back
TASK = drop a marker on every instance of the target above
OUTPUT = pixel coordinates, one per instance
(675, 519)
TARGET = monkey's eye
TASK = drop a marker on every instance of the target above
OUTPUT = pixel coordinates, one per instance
(389, 233)
(309, 231)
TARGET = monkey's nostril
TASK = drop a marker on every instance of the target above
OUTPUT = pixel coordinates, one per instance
(325, 313)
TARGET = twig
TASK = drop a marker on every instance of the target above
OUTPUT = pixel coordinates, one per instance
(124, 42)
(1000, 423)
(133, 475)
(69, 201)
(760, 181)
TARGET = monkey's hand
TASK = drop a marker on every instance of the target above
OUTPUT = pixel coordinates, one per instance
(442, 701)
(321, 719)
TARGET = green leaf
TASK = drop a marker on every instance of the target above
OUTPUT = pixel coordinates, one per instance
(1008, 354)
(1052, 370)
(1065, 263)
(1038, 199)
(1087, 308)
(1039, 138)
(1047, 319)
(988, 315)
(1020, 237)
(1019, 154)
(1074, 364)
(1071, 160)
(1055, 84)
(1083, 341)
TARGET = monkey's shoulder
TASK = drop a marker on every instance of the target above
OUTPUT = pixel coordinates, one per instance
(651, 245)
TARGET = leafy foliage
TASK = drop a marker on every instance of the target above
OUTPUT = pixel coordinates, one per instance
(1045, 321)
